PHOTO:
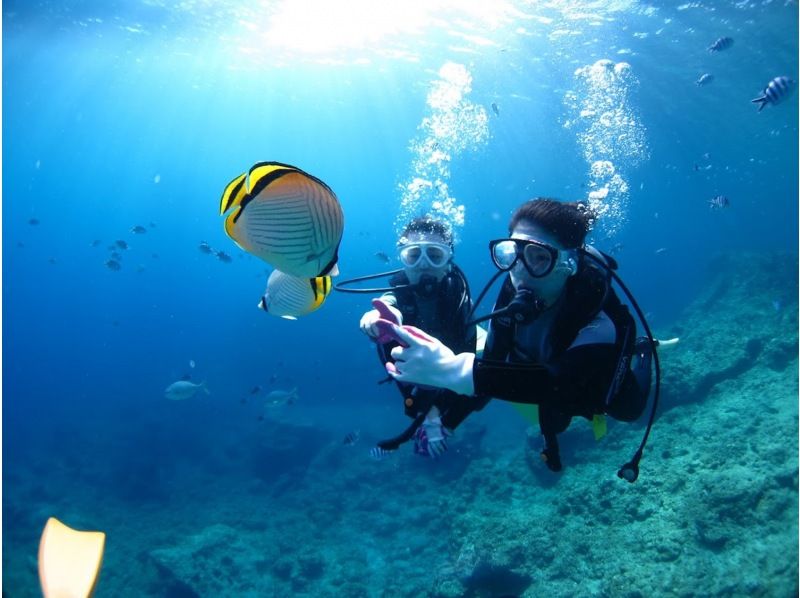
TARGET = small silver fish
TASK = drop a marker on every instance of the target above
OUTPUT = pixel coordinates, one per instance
(183, 389)
(279, 398)
(121, 244)
(205, 247)
(495, 109)
(704, 79)
(138, 230)
(113, 265)
(382, 257)
(224, 257)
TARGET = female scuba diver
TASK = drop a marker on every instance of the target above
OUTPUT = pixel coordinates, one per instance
(559, 337)
(432, 293)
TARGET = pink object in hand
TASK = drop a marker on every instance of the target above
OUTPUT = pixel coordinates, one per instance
(386, 332)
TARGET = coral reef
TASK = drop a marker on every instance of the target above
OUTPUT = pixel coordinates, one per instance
(288, 510)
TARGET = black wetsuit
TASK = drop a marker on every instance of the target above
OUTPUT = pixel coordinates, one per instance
(440, 308)
(573, 360)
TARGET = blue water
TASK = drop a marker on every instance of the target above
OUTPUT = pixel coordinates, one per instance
(117, 114)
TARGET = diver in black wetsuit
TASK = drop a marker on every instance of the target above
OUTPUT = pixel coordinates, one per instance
(559, 336)
(430, 292)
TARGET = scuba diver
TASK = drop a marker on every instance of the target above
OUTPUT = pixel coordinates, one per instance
(429, 292)
(559, 337)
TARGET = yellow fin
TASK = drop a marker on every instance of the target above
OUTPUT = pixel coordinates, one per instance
(321, 285)
(599, 426)
(69, 560)
(233, 195)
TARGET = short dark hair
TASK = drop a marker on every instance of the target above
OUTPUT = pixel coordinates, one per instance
(570, 222)
(428, 225)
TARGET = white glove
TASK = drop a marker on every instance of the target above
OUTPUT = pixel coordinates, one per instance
(436, 436)
(368, 320)
(427, 361)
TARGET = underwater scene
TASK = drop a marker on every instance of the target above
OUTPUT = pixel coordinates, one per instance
(190, 188)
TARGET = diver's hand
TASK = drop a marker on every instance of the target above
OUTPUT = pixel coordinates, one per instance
(430, 439)
(426, 360)
(382, 311)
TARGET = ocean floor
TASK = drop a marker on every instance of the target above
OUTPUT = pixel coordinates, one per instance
(295, 512)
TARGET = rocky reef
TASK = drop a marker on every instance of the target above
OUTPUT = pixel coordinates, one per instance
(295, 512)
(714, 512)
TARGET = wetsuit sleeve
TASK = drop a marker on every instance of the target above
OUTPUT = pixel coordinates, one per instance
(578, 381)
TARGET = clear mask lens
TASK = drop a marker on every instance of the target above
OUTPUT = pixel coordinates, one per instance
(538, 259)
(436, 254)
(504, 254)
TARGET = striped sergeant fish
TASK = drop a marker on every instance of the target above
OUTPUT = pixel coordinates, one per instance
(288, 218)
(721, 44)
(290, 296)
(775, 92)
(378, 453)
(718, 202)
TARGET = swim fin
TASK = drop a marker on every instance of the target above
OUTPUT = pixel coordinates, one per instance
(69, 560)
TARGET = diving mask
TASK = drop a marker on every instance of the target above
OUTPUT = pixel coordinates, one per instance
(436, 254)
(538, 258)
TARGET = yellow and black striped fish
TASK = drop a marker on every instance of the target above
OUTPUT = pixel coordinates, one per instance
(288, 218)
(288, 296)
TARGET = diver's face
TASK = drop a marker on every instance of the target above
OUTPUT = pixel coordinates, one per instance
(547, 287)
(424, 266)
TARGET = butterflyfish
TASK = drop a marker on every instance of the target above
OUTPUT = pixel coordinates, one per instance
(290, 296)
(287, 217)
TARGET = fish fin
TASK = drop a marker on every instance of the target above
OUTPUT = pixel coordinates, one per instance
(293, 318)
(761, 101)
(321, 287)
(69, 560)
(669, 342)
(205, 388)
